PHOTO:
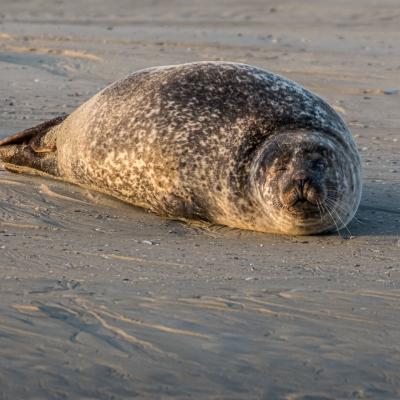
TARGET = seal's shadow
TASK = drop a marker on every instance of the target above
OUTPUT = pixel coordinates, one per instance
(379, 211)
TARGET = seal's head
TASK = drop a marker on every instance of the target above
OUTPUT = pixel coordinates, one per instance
(310, 182)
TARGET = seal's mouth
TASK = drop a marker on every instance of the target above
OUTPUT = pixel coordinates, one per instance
(303, 208)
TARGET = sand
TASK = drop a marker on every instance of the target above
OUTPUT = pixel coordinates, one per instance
(101, 300)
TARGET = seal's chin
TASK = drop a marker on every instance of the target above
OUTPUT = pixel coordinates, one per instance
(303, 217)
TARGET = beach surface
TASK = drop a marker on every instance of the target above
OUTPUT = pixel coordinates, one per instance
(102, 300)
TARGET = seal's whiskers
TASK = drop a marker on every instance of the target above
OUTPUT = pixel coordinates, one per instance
(325, 207)
(223, 142)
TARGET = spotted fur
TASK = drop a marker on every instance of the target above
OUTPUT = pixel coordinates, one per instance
(194, 141)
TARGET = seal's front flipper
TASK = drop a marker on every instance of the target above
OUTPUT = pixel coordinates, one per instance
(34, 148)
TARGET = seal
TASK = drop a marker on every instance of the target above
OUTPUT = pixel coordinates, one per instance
(223, 142)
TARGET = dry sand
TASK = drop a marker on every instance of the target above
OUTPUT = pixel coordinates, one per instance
(100, 300)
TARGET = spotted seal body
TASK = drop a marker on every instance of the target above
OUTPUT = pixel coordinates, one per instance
(223, 142)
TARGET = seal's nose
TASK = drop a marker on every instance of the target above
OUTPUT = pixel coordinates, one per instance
(301, 181)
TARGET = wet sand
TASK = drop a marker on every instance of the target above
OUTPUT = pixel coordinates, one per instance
(101, 300)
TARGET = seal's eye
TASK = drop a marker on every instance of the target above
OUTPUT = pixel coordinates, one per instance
(319, 163)
(280, 168)
(281, 165)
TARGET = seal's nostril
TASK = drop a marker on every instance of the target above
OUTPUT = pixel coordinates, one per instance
(300, 181)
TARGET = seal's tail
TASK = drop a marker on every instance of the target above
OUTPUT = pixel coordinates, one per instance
(32, 149)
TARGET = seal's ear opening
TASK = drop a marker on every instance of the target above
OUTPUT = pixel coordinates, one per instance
(32, 148)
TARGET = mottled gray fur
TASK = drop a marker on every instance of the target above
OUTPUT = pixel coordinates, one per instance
(187, 141)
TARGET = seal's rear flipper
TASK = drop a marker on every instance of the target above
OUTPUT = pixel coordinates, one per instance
(34, 148)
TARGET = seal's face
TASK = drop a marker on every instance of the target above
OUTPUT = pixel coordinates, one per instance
(306, 182)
